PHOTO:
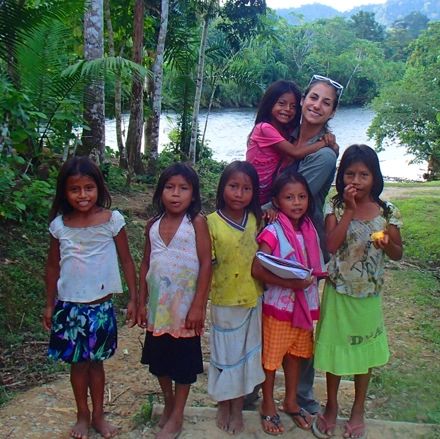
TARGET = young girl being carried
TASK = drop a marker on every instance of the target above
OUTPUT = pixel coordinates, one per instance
(82, 274)
(268, 144)
(235, 337)
(289, 305)
(351, 337)
(174, 281)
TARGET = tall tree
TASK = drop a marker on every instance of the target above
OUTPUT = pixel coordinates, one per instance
(209, 9)
(93, 136)
(153, 144)
(366, 27)
(407, 110)
(135, 125)
(118, 88)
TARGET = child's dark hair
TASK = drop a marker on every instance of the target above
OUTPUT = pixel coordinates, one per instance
(249, 170)
(293, 177)
(366, 155)
(188, 173)
(84, 166)
(271, 96)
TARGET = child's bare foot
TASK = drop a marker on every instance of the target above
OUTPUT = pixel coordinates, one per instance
(81, 429)
(171, 429)
(167, 410)
(104, 428)
(223, 415)
(236, 424)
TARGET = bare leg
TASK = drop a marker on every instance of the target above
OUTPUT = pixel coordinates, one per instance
(166, 384)
(268, 404)
(236, 424)
(173, 426)
(79, 379)
(292, 370)
(223, 414)
(355, 426)
(97, 384)
(326, 424)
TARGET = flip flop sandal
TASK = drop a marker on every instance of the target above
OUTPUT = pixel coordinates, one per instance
(322, 434)
(275, 420)
(301, 413)
(355, 430)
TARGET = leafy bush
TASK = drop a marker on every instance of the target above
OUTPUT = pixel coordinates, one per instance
(22, 197)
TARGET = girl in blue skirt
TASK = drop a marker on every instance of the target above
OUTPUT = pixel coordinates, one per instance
(351, 337)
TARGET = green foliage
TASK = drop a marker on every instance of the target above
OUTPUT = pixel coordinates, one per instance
(21, 197)
(407, 110)
(145, 412)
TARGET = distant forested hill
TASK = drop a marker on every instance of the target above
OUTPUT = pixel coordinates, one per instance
(385, 14)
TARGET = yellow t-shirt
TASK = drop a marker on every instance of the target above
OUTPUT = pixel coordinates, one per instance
(233, 250)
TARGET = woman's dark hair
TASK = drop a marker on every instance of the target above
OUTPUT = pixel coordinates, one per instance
(188, 173)
(84, 166)
(367, 156)
(249, 170)
(287, 177)
(270, 98)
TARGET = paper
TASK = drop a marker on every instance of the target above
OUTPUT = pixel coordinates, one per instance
(284, 268)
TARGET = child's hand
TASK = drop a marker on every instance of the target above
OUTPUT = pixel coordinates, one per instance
(142, 316)
(195, 319)
(47, 317)
(349, 196)
(301, 284)
(131, 317)
(382, 241)
(270, 215)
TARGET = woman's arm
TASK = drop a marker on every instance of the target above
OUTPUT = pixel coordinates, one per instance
(129, 270)
(196, 314)
(267, 277)
(52, 274)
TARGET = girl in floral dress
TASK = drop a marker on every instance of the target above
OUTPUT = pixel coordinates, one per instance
(351, 338)
(174, 281)
(82, 274)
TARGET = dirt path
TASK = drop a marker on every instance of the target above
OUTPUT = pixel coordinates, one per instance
(48, 411)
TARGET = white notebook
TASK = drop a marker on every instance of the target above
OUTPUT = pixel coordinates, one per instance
(283, 268)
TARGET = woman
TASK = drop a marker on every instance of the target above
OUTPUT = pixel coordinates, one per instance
(318, 106)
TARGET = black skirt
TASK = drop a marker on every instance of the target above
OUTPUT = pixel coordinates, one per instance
(177, 358)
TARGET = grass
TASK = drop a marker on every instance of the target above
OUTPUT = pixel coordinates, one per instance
(421, 229)
(408, 385)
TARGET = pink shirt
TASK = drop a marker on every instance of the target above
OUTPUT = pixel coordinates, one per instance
(263, 156)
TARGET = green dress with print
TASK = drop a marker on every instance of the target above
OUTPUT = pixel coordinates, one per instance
(351, 336)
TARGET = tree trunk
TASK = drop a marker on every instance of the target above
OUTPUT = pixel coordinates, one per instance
(135, 125)
(154, 125)
(118, 106)
(94, 104)
(199, 86)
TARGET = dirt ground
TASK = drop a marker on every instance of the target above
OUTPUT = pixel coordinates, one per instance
(47, 411)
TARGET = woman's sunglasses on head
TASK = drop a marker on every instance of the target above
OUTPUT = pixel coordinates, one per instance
(338, 87)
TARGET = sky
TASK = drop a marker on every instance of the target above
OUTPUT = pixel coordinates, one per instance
(341, 5)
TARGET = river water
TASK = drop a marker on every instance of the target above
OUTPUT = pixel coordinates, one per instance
(228, 130)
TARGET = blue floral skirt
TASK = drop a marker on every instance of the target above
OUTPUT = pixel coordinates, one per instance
(83, 332)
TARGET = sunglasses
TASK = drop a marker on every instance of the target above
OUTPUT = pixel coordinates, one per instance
(338, 87)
